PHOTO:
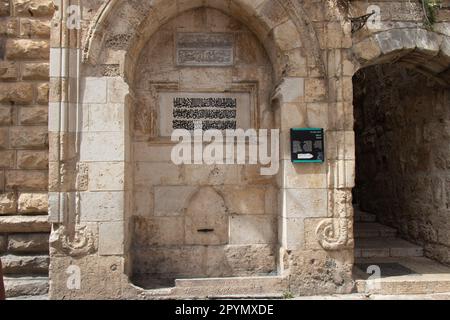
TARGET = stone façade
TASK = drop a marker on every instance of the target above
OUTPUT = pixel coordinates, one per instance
(303, 69)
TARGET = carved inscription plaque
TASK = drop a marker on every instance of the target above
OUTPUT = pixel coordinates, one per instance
(219, 111)
(205, 49)
(214, 113)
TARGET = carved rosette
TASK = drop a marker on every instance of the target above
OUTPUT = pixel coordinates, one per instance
(82, 243)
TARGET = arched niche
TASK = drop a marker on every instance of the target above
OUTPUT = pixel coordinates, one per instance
(199, 221)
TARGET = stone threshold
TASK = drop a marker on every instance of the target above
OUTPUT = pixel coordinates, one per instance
(260, 287)
(425, 277)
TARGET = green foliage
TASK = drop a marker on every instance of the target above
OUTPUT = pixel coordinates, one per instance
(431, 8)
(288, 295)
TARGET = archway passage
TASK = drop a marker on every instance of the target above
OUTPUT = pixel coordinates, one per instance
(402, 194)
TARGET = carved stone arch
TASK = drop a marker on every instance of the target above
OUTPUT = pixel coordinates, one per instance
(128, 24)
(426, 51)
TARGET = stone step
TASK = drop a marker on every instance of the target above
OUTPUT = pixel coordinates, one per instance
(218, 288)
(386, 247)
(24, 224)
(373, 230)
(35, 264)
(26, 286)
(422, 276)
(361, 216)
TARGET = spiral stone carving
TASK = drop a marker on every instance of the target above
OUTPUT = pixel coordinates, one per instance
(82, 243)
(330, 237)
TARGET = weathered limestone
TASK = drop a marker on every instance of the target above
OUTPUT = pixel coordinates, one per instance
(24, 224)
(26, 243)
(122, 210)
(24, 64)
(33, 203)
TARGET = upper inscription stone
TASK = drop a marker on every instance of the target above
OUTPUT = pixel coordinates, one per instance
(205, 49)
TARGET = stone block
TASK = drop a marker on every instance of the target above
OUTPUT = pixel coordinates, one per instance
(252, 229)
(33, 203)
(7, 159)
(272, 13)
(4, 8)
(341, 173)
(93, 90)
(146, 152)
(173, 200)
(9, 27)
(117, 90)
(315, 90)
(102, 206)
(42, 94)
(4, 138)
(251, 175)
(304, 203)
(152, 174)
(23, 49)
(102, 146)
(305, 176)
(8, 203)
(291, 235)
(34, 160)
(33, 115)
(317, 115)
(162, 231)
(291, 90)
(94, 269)
(26, 180)
(143, 203)
(16, 93)
(33, 8)
(245, 200)
(367, 50)
(111, 238)
(3, 243)
(107, 117)
(293, 115)
(171, 261)
(106, 176)
(287, 36)
(28, 137)
(33, 28)
(19, 265)
(8, 71)
(251, 260)
(211, 79)
(24, 224)
(211, 175)
(35, 71)
(28, 243)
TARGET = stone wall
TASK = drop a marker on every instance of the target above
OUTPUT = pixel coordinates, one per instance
(24, 76)
(403, 152)
(314, 55)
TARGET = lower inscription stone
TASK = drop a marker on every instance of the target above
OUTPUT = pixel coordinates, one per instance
(218, 111)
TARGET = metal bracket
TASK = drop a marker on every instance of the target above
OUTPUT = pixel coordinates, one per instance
(359, 22)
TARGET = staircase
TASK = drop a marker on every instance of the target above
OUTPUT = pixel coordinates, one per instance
(374, 240)
(24, 251)
(404, 269)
